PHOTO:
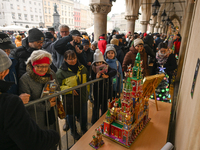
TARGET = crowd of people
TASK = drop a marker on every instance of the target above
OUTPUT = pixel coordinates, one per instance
(71, 58)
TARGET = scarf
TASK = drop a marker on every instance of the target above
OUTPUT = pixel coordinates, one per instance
(74, 68)
(162, 58)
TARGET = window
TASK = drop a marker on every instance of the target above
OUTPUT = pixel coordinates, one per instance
(44, 2)
(36, 17)
(48, 3)
(46, 18)
(49, 11)
(25, 17)
(65, 13)
(18, 7)
(40, 18)
(11, 6)
(39, 10)
(20, 16)
(62, 6)
(45, 10)
(69, 8)
(65, 20)
(29, 2)
(2, 6)
(34, 3)
(17, 0)
(13, 15)
(49, 18)
(35, 9)
(62, 13)
(24, 8)
(65, 7)
(32, 18)
(39, 4)
(23, 1)
(62, 20)
(30, 9)
(69, 21)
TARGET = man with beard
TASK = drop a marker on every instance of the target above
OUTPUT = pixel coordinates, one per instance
(33, 42)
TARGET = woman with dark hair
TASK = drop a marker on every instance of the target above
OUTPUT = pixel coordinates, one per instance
(71, 74)
(165, 61)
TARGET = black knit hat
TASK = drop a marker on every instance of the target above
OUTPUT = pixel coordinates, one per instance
(118, 36)
(5, 42)
(35, 35)
(51, 29)
(85, 42)
(48, 35)
(75, 33)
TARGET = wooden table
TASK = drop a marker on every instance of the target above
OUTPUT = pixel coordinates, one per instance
(153, 137)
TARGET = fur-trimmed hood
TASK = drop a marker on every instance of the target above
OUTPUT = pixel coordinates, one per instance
(40, 79)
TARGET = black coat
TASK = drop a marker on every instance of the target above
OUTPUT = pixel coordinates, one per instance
(89, 57)
(170, 65)
(21, 54)
(148, 46)
(47, 44)
(62, 45)
(17, 130)
(120, 54)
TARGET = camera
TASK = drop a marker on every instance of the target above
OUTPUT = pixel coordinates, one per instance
(78, 45)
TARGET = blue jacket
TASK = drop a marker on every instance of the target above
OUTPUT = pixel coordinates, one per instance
(12, 77)
(113, 64)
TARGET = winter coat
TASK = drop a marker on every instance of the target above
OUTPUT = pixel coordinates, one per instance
(62, 45)
(130, 59)
(21, 54)
(17, 130)
(18, 42)
(148, 46)
(111, 72)
(102, 45)
(33, 84)
(68, 79)
(89, 57)
(120, 54)
(158, 40)
(170, 65)
(113, 64)
(46, 45)
(12, 77)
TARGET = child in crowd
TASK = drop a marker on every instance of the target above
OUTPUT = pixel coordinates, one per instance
(100, 69)
(71, 74)
(130, 56)
(164, 60)
(112, 61)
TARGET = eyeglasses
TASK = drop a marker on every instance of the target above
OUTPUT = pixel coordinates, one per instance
(41, 67)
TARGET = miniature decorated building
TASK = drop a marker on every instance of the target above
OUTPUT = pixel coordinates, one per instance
(126, 118)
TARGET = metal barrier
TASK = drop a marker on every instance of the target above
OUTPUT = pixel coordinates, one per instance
(62, 93)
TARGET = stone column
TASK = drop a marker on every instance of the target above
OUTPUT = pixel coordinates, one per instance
(144, 26)
(131, 14)
(160, 29)
(100, 11)
(130, 25)
(156, 29)
(151, 27)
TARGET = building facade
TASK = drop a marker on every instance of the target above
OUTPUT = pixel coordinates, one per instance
(77, 15)
(26, 13)
(65, 9)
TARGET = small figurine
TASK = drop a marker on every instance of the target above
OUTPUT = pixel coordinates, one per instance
(96, 141)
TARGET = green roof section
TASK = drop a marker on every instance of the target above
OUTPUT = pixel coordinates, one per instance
(117, 125)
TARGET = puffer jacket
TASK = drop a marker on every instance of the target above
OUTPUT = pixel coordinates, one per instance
(21, 54)
(130, 59)
(68, 79)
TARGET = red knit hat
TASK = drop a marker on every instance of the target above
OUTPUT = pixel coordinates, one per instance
(44, 60)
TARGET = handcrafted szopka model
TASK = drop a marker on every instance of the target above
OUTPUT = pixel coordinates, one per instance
(126, 118)
(96, 141)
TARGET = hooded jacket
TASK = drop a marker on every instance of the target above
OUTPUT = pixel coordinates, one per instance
(46, 45)
(33, 84)
(17, 130)
(130, 59)
(21, 54)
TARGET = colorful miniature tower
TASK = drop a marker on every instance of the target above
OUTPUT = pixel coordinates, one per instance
(136, 79)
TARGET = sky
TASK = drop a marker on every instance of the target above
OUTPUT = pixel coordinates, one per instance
(117, 8)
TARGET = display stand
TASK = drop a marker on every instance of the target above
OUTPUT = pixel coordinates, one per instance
(150, 84)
